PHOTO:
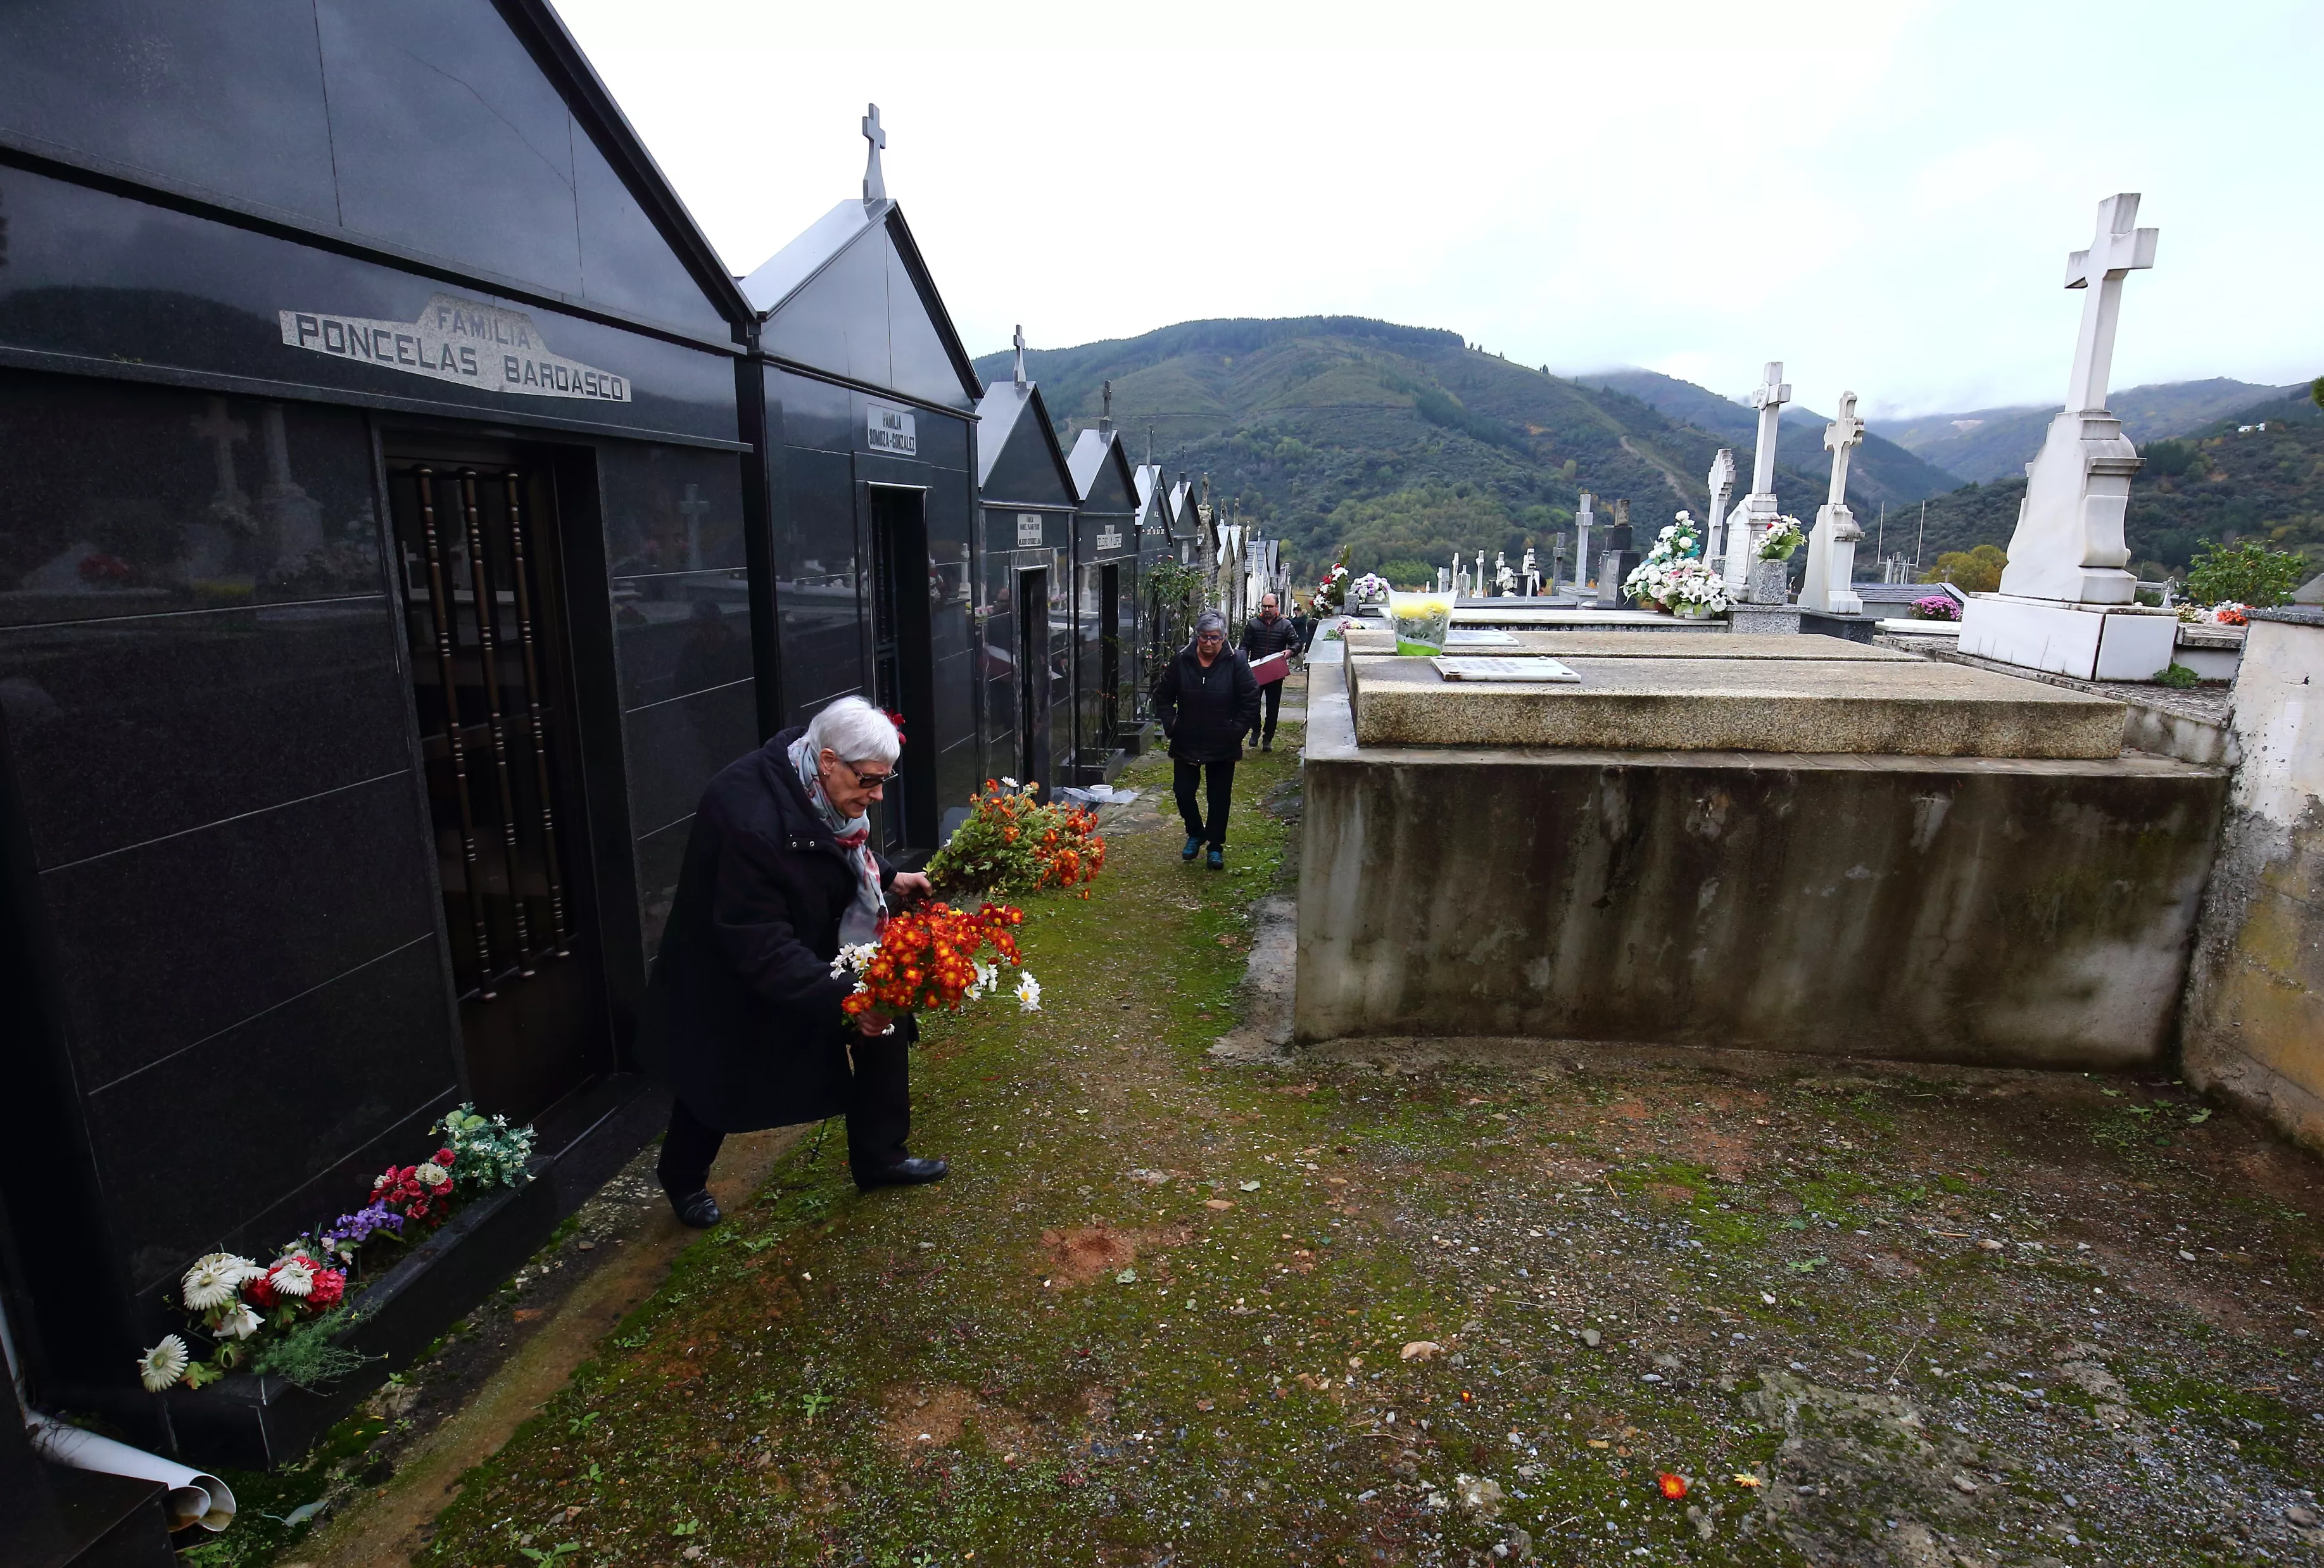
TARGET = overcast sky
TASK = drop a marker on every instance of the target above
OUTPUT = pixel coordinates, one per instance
(1882, 196)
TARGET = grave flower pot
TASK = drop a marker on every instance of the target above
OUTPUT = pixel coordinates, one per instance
(1771, 582)
(1686, 611)
(1421, 622)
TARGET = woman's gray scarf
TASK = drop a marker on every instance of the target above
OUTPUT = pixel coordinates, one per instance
(861, 921)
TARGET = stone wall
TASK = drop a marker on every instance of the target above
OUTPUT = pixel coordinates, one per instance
(2255, 1016)
(1974, 910)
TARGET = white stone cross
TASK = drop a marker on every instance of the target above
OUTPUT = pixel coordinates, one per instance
(1582, 519)
(1840, 438)
(223, 431)
(875, 184)
(2117, 249)
(1722, 486)
(1769, 399)
(1020, 356)
(1827, 583)
(693, 509)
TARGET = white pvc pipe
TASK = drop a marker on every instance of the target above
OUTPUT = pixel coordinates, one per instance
(195, 1498)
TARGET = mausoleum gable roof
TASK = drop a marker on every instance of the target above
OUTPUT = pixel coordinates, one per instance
(1017, 459)
(1096, 454)
(786, 284)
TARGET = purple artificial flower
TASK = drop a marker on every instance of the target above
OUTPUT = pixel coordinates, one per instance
(1937, 607)
(349, 1231)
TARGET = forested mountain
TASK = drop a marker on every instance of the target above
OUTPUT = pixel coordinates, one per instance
(2214, 486)
(1400, 441)
(1997, 443)
(1896, 475)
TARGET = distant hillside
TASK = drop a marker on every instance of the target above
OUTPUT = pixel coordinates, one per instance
(2212, 485)
(1399, 441)
(1997, 443)
(1894, 473)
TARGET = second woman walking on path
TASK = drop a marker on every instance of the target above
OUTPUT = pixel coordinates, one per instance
(1207, 702)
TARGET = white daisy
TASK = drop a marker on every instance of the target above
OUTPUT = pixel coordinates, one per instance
(431, 1175)
(291, 1278)
(239, 1322)
(161, 1367)
(988, 975)
(213, 1280)
(1028, 994)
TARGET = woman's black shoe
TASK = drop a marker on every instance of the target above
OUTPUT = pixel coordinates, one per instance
(700, 1211)
(904, 1173)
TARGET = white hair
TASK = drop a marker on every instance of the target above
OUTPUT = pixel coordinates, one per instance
(854, 731)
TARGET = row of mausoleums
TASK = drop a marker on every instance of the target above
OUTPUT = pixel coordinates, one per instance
(403, 514)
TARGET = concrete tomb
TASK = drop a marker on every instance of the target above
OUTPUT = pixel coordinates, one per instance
(2067, 599)
(1782, 843)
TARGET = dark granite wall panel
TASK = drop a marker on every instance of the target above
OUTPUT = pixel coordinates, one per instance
(124, 499)
(682, 633)
(802, 411)
(106, 277)
(194, 1146)
(139, 727)
(670, 509)
(661, 856)
(170, 942)
(425, 126)
(677, 747)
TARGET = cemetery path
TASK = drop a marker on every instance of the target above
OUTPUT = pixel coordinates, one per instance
(1450, 1307)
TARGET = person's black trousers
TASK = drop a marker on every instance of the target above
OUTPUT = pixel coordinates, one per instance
(879, 1120)
(1270, 704)
(1184, 779)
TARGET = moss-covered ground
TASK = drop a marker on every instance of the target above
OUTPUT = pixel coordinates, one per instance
(1172, 1309)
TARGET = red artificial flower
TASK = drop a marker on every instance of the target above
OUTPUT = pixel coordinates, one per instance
(1673, 1487)
(330, 1287)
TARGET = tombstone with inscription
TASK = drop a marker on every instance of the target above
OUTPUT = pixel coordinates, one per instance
(1557, 561)
(1025, 608)
(1105, 597)
(1617, 556)
(1531, 572)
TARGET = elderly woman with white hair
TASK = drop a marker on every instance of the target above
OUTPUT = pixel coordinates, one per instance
(742, 1016)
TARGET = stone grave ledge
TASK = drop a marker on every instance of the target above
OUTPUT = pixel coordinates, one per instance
(1658, 642)
(1881, 707)
(1513, 614)
(1988, 911)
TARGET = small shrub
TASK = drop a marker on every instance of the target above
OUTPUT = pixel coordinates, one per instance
(2245, 574)
(2178, 675)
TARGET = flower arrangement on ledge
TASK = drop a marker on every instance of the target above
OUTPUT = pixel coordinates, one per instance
(1011, 844)
(2226, 613)
(1674, 577)
(929, 960)
(1936, 607)
(279, 1316)
(1332, 592)
(1782, 538)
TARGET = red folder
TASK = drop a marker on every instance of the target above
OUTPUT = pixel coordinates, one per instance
(1272, 668)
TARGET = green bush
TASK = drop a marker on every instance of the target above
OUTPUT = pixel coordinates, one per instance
(2178, 675)
(2245, 574)
(1977, 571)
(2171, 458)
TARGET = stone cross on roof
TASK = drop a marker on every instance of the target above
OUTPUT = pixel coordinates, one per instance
(1839, 437)
(875, 184)
(2118, 249)
(1105, 420)
(1019, 341)
(1769, 398)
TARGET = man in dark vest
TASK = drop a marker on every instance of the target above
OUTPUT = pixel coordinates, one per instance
(1264, 633)
(742, 1016)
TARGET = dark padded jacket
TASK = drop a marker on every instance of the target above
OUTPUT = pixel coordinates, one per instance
(741, 1017)
(1263, 637)
(1206, 713)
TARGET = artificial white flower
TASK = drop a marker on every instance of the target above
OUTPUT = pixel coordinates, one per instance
(1007, 783)
(431, 1175)
(164, 1364)
(1028, 994)
(987, 976)
(857, 957)
(213, 1280)
(291, 1278)
(239, 1322)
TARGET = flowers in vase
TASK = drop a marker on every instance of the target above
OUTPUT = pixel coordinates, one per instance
(1783, 540)
(1692, 586)
(1654, 581)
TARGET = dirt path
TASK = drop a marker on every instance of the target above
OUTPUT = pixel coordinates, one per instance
(1417, 1305)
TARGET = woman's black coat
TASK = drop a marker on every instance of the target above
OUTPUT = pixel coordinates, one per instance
(1206, 713)
(741, 1015)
